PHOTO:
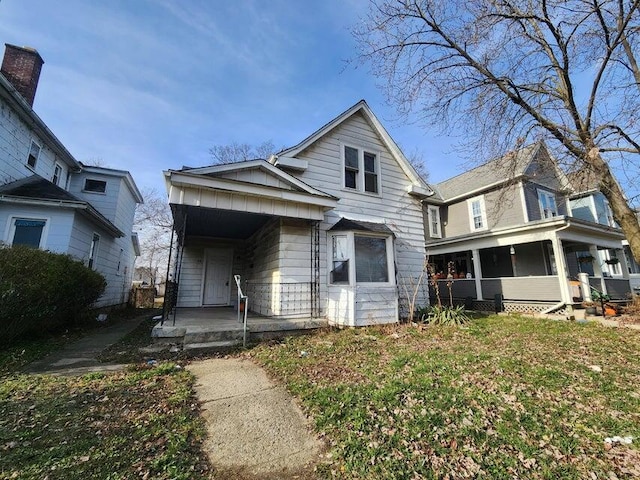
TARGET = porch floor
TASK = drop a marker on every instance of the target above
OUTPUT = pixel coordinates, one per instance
(220, 324)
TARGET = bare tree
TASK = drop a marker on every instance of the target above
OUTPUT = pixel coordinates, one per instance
(153, 222)
(511, 70)
(239, 152)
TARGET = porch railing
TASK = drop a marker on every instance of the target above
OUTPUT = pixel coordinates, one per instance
(284, 299)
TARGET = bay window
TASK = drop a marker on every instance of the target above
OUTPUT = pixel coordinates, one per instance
(361, 258)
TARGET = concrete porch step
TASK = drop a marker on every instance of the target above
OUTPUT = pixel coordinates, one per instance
(212, 346)
(204, 335)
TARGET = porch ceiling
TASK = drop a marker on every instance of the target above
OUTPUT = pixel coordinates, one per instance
(209, 222)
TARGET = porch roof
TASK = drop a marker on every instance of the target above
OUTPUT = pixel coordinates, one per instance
(287, 198)
(567, 228)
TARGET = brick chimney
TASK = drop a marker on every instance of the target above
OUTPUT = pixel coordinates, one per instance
(21, 66)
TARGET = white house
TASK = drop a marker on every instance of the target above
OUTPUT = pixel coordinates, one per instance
(331, 227)
(48, 199)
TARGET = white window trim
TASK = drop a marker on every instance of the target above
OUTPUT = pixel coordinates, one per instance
(95, 252)
(431, 211)
(483, 212)
(351, 257)
(57, 165)
(548, 194)
(33, 168)
(360, 178)
(11, 229)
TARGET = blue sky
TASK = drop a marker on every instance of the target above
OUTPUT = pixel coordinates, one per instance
(146, 85)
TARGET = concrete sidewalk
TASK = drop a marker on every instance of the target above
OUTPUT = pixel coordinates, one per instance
(80, 357)
(255, 430)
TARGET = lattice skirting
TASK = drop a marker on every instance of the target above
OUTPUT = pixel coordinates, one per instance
(516, 307)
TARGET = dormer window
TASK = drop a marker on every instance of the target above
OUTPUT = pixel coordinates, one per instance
(361, 170)
(34, 154)
(548, 208)
(95, 186)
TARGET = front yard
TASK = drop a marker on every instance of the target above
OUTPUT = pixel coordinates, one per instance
(505, 397)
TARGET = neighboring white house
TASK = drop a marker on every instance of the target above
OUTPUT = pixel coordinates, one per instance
(331, 227)
(50, 200)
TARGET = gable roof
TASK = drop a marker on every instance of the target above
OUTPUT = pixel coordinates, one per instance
(368, 114)
(40, 191)
(124, 174)
(495, 172)
(296, 184)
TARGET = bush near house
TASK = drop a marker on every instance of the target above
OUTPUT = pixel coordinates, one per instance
(43, 291)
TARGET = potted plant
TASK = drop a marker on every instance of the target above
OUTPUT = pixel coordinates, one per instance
(585, 259)
(600, 298)
(612, 261)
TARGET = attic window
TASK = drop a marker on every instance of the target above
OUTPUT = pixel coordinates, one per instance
(361, 170)
(34, 153)
(96, 186)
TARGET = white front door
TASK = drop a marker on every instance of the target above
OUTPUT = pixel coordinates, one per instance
(217, 277)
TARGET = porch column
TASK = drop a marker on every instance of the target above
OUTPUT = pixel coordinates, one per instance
(475, 255)
(597, 267)
(623, 263)
(561, 266)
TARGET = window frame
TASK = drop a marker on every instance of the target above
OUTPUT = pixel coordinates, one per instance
(36, 158)
(548, 195)
(483, 214)
(351, 258)
(85, 189)
(11, 229)
(94, 248)
(55, 179)
(360, 172)
(431, 209)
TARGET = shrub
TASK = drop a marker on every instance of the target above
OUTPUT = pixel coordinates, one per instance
(440, 315)
(42, 291)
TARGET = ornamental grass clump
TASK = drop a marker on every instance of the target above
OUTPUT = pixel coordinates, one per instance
(439, 314)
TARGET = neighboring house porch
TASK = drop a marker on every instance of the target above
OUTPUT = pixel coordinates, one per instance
(533, 267)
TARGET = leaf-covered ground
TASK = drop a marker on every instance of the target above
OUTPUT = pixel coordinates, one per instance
(142, 423)
(505, 397)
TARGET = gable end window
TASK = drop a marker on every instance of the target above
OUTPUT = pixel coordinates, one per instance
(361, 170)
(95, 186)
(548, 206)
(477, 213)
(34, 154)
(434, 222)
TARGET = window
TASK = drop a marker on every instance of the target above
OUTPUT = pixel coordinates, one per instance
(477, 213)
(34, 153)
(93, 251)
(370, 175)
(119, 267)
(96, 186)
(28, 231)
(548, 207)
(361, 170)
(57, 173)
(434, 222)
(340, 270)
(350, 167)
(371, 259)
(371, 255)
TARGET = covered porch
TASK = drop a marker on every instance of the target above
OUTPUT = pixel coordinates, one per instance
(251, 220)
(532, 269)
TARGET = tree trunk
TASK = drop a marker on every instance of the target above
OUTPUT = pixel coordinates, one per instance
(622, 212)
